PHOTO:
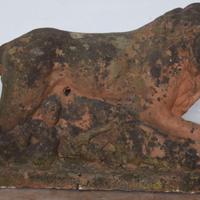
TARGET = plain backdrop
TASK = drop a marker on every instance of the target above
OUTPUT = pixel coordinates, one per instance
(20, 16)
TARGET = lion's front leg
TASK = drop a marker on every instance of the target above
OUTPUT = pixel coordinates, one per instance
(166, 115)
(165, 121)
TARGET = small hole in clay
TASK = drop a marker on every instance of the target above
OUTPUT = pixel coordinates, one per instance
(66, 91)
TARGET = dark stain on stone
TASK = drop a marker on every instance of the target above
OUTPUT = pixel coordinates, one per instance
(130, 62)
(157, 82)
(137, 137)
(191, 158)
(46, 41)
(165, 80)
(174, 57)
(190, 181)
(72, 112)
(51, 107)
(196, 50)
(170, 147)
(99, 110)
(73, 130)
(153, 57)
(155, 71)
(191, 14)
(164, 95)
(41, 145)
(8, 147)
(181, 154)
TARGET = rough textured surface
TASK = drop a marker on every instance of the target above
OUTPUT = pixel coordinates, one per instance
(103, 111)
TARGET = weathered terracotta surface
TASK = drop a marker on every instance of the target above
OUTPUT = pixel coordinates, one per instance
(103, 111)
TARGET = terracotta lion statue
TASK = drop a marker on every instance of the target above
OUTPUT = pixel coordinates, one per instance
(91, 89)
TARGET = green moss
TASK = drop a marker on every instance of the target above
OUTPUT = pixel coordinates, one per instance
(100, 181)
(6, 181)
(132, 176)
(156, 163)
(156, 186)
(42, 163)
(190, 182)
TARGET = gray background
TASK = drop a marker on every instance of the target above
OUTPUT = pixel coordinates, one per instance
(20, 16)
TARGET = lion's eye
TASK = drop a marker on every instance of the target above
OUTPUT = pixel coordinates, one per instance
(66, 91)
